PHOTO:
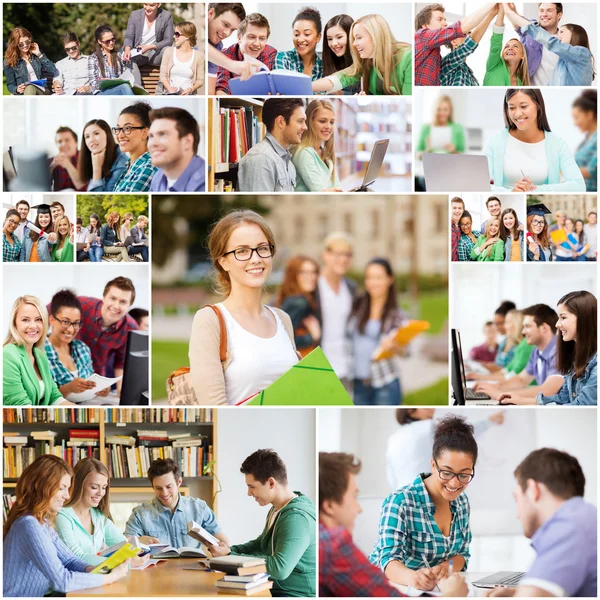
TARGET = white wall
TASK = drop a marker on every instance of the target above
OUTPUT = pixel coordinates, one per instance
(281, 16)
(479, 288)
(475, 204)
(240, 432)
(34, 124)
(10, 201)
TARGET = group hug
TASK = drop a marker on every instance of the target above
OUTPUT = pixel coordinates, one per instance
(61, 519)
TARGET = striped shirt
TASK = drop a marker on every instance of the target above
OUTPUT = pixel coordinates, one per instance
(10, 253)
(82, 356)
(137, 177)
(407, 529)
(292, 61)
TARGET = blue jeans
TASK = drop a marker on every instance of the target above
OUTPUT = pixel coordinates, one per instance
(143, 250)
(120, 90)
(96, 253)
(367, 395)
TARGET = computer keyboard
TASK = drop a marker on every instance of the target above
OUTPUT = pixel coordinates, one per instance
(471, 395)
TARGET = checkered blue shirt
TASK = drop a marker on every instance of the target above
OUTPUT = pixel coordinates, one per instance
(465, 245)
(10, 253)
(407, 529)
(137, 177)
(292, 61)
(82, 357)
(455, 70)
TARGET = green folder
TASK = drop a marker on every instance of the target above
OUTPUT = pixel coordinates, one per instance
(310, 382)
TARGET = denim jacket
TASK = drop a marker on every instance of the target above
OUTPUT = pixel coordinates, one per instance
(15, 76)
(579, 392)
(44, 249)
(508, 247)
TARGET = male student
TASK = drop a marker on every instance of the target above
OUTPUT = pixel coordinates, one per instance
(164, 519)
(253, 33)
(288, 540)
(64, 165)
(562, 527)
(539, 329)
(173, 142)
(81, 237)
(591, 231)
(73, 76)
(344, 571)
(494, 207)
(223, 19)
(432, 32)
(458, 208)
(57, 210)
(267, 166)
(541, 61)
(22, 230)
(141, 316)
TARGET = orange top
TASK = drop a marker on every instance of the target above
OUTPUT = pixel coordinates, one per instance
(33, 257)
(515, 251)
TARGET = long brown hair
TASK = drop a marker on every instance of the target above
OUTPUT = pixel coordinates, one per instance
(504, 232)
(543, 238)
(12, 54)
(81, 471)
(573, 356)
(114, 55)
(331, 62)
(84, 164)
(37, 485)
(290, 285)
(579, 37)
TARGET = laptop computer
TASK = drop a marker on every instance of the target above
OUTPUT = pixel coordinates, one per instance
(374, 166)
(459, 379)
(458, 172)
(508, 579)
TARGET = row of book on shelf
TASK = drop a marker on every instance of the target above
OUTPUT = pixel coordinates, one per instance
(239, 130)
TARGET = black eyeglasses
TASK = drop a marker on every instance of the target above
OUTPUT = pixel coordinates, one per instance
(449, 475)
(244, 254)
(71, 49)
(112, 40)
(15, 223)
(539, 223)
(126, 130)
(65, 324)
(25, 44)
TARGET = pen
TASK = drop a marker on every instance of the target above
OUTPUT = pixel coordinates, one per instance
(429, 567)
(450, 567)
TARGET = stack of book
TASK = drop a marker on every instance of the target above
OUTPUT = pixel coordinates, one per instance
(16, 456)
(159, 415)
(83, 443)
(244, 575)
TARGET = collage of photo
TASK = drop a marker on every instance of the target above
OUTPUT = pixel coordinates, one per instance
(271, 359)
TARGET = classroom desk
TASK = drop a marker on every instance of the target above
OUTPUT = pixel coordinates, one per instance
(164, 579)
(469, 576)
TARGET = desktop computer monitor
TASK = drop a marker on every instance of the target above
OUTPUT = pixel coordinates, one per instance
(135, 373)
(458, 378)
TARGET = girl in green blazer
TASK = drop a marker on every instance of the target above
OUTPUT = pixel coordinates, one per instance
(63, 249)
(27, 379)
(443, 116)
(489, 247)
(506, 66)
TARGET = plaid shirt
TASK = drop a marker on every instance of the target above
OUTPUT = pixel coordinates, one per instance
(292, 61)
(61, 179)
(104, 343)
(465, 245)
(137, 177)
(407, 529)
(95, 75)
(455, 70)
(267, 56)
(10, 253)
(81, 356)
(456, 233)
(428, 59)
(344, 570)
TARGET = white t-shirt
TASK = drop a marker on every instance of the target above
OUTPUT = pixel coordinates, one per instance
(529, 158)
(256, 362)
(181, 74)
(31, 76)
(42, 388)
(335, 310)
(148, 34)
(543, 74)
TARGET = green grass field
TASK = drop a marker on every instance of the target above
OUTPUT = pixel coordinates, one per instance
(166, 357)
(436, 394)
(433, 307)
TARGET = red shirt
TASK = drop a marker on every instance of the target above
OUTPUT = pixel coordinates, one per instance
(428, 59)
(456, 233)
(267, 57)
(61, 179)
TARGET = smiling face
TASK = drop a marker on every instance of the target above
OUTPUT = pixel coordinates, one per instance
(569, 225)
(323, 124)
(94, 489)
(66, 144)
(537, 224)
(115, 305)
(23, 210)
(57, 212)
(95, 139)
(63, 228)
(62, 494)
(11, 223)
(306, 37)
(513, 51)
(166, 148)
(494, 208)
(532, 333)
(510, 325)
(107, 42)
(166, 489)
(337, 40)
(457, 462)
(44, 220)
(151, 9)
(254, 40)
(458, 208)
(66, 334)
(136, 141)
(548, 16)
(567, 324)
(466, 226)
(522, 111)
(564, 35)
(363, 42)
(263, 493)
(24, 45)
(29, 324)
(221, 27)
(292, 131)
(308, 276)
(377, 281)
(509, 221)
(494, 227)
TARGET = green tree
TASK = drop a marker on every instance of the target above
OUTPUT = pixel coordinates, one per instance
(102, 204)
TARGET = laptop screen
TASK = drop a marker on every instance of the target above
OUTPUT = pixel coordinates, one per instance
(375, 162)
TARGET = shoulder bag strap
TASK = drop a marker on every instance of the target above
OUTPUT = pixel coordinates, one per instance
(222, 331)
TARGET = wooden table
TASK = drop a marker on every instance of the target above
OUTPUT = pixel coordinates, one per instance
(469, 578)
(164, 579)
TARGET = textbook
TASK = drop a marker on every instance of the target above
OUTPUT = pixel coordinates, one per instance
(151, 562)
(201, 535)
(116, 558)
(166, 551)
(112, 549)
(101, 384)
(402, 336)
(107, 84)
(242, 585)
(278, 81)
(238, 565)
(267, 585)
(245, 578)
(40, 84)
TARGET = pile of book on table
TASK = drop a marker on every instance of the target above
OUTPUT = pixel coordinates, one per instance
(244, 575)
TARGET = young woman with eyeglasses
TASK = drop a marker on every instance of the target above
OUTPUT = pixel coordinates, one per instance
(182, 67)
(11, 245)
(260, 339)
(425, 525)
(132, 136)
(24, 62)
(105, 63)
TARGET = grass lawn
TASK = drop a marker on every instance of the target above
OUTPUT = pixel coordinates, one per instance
(433, 307)
(436, 394)
(166, 357)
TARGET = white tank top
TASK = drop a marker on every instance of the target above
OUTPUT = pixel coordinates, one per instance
(256, 362)
(181, 75)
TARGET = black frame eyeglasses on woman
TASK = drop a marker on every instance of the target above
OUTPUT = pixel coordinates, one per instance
(126, 130)
(263, 251)
(446, 475)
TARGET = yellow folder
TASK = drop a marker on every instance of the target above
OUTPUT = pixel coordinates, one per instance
(402, 337)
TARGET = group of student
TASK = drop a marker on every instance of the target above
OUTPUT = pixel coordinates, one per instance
(117, 240)
(539, 355)
(48, 239)
(317, 306)
(543, 54)
(51, 351)
(424, 536)
(150, 39)
(148, 150)
(61, 519)
(359, 56)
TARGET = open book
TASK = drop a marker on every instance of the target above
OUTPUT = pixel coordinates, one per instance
(166, 551)
(277, 81)
(201, 535)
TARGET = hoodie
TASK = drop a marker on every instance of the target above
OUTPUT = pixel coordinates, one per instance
(289, 548)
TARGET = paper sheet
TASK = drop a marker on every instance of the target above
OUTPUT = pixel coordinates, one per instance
(101, 384)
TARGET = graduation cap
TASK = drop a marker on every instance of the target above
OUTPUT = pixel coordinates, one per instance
(538, 209)
(42, 209)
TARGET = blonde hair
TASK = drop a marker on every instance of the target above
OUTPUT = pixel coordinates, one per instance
(219, 238)
(82, 470)
(517, 336)
(310, 138)
(143, 218)
(13, 336)
(489, 222)
(338, 238)
(443, 98)
(62, 239)
(388, 52)
(522, 71)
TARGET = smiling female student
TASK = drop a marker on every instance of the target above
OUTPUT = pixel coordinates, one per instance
(427, 522)
(260, 339)
(489, 247)
(468, 237)
(63, 249)
(36, 561)
(538, 240)
(314, 156)
(337, 50)
(576, 358)
(381, 64)
(37, 247)
(514, 250)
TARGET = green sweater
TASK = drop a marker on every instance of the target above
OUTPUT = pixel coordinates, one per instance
(520, 358)
(457, 132)
(496, 71)
(67, 252)
(495, 253)
(289, 548)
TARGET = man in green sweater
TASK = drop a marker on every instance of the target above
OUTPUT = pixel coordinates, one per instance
(288, 541)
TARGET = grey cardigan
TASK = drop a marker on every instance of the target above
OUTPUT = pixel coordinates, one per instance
(135, 27)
